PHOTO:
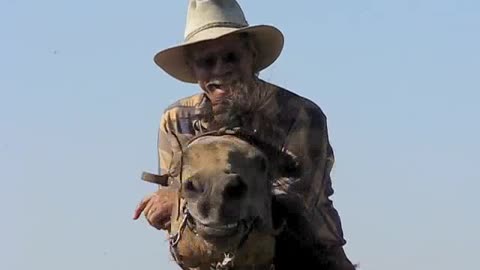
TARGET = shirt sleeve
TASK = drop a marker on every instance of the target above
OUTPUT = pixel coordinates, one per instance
(165, 151)
(308, 140)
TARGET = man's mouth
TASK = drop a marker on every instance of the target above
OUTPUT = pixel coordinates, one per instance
(217, 87)
(217, 91)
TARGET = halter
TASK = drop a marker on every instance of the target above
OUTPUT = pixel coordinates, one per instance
(229, 257)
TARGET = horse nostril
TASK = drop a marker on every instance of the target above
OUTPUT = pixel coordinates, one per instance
(204, 208)
(235, 189)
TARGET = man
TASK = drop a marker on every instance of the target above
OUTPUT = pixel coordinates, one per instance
(224, 55)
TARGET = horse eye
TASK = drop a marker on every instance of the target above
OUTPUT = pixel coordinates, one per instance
(191, 187)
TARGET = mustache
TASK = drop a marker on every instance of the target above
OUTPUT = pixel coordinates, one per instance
(216, 82)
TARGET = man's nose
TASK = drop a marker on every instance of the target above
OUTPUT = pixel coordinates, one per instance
(221, 68)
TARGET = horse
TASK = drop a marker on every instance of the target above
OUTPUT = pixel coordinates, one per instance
(226, 216)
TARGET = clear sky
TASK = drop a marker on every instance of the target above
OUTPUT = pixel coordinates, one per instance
(81, 99)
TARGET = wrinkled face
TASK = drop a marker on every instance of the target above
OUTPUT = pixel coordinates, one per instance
(218, 64)
(225, 186)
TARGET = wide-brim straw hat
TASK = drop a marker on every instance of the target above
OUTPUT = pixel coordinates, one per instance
(213, 19)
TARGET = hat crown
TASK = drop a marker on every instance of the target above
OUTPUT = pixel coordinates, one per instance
(204, 14)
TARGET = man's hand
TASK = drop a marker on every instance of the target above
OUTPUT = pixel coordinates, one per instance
(157, 208)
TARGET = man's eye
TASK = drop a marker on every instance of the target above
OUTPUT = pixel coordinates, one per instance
(206, 62)
(231, 57)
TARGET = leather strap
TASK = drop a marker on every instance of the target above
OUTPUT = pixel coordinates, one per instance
(155, 178)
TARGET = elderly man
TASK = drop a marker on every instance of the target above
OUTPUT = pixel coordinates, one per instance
(224, 55)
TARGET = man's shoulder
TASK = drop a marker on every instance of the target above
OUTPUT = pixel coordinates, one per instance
(184, 106)
(291, 101)
(183, 110)
(193, 101)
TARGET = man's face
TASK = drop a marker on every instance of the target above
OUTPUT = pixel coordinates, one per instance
(218, 64)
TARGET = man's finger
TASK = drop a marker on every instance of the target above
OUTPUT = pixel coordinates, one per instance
(138, 212)
(166, 225)
(159, 221)
(141, 206)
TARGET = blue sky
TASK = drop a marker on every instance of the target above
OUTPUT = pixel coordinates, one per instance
(80, 102)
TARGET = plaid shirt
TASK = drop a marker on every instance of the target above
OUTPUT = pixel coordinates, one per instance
(305, 135)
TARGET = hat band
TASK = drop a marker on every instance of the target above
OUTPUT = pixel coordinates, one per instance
(213, 25)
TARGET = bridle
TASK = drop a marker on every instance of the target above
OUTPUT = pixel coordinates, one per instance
(187, 220)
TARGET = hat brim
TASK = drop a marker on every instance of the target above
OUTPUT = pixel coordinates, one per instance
(268, 43)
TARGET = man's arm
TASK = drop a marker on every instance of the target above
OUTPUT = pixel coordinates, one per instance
(157, 206)
(164, 146)
(308, 140)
